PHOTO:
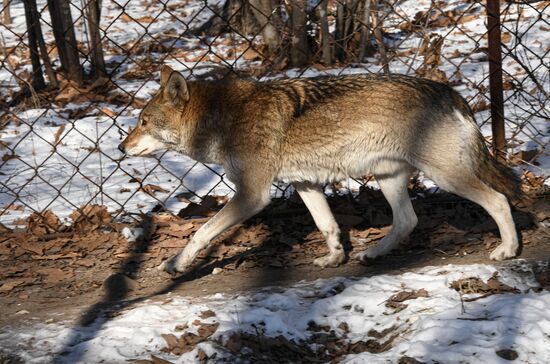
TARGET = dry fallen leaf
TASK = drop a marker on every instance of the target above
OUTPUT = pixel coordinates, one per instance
(473, 285)
(88, 263)
(36, 247)
(54, 275)
(171, 340)
(395, 301)
(15, 207)
(57, 135)
(408, 295)
(176, 230)
(57, 256)
(6, 157)
(43, 223)
(481, 105)
(90, 217)
(12, 283)
(151, 189)
(126, 18)
(207, 330)
(207, 314)
(108, 112)
(202, 357)
(157, 360)
(524, 155)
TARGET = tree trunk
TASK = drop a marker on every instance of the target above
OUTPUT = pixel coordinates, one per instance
(349, 19)
(253, 18)
(37, 82)
(269, 22)
(7, 14)
(339, 31)
(42, 45)
(93, 12)
(377, 29)
(326, 48)
(350, 23)
(65, 39)
(235, 16)
(299, 45)
(364, 41)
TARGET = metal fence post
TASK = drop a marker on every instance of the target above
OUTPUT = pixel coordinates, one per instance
(495, 79)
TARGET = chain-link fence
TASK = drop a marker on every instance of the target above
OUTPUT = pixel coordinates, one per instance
(75, 75)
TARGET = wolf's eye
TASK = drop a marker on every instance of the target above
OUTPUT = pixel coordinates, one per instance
(144, 121)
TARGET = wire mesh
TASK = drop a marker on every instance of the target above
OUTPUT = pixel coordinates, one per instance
(59, 138)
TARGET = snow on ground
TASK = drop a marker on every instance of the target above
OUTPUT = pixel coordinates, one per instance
(39, 177)
(430, 329)
(70, 175)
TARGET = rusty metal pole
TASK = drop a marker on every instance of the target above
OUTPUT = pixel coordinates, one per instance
(495, 79)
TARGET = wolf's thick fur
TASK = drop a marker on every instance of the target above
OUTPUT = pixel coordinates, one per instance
(312, 131)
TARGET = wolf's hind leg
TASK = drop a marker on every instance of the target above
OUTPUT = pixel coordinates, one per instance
(317, 205)
(394, 188)
(495, 203)
(242, 206)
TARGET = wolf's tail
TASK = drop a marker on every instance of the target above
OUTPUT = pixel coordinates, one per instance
(488, 169)
(499, 177)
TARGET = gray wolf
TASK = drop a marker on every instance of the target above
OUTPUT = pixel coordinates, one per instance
(308, 132)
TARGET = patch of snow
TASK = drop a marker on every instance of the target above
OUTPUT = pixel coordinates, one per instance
(432, 328)
(132, 234)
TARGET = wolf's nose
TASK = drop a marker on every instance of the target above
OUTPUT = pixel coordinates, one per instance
(121, 148)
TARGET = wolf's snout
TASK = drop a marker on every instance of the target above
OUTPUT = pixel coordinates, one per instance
(121, 148)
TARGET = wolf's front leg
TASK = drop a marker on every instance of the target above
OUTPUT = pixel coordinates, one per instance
(241, 207)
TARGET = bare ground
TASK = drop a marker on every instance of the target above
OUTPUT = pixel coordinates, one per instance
(77, 276)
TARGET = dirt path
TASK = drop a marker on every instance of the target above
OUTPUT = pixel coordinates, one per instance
(51, 307)
(80, 276)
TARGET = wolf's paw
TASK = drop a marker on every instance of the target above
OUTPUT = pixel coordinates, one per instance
(503, 251)
(371, 253)
(174, 265)
(331, 260)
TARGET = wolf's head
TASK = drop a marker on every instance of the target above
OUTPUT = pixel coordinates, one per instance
(154, 129)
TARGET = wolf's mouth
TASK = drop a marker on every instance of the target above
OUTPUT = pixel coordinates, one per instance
(144, 152)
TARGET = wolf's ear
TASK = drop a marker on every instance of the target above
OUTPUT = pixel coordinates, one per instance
(165, 73)
(175, 89)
